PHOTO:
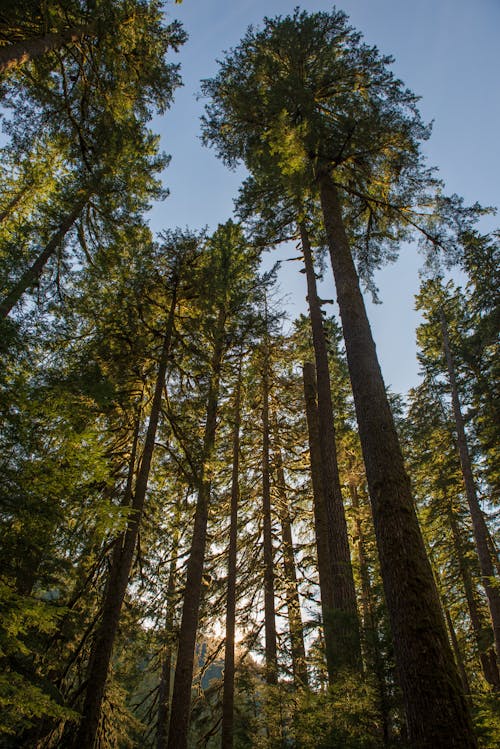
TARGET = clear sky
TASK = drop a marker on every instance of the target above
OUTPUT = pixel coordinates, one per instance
(446, 51)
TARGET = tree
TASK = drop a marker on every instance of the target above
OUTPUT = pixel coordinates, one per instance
(93, 104)
(304, 99)
(442, 311)
(227, 728)
(181, 257)
(229, 277)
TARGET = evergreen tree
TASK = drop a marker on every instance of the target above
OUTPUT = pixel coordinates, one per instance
(305, 99)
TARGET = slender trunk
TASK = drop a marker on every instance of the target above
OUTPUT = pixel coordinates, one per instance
(121, 564)
(181, 697)
(344, 614)
(479, 626)
(166, 666)
(372, 639)
(299, 663)
(269, 611)
(320, 517)
(437, 712)
(33, 273)
(14, 55)
(456, 651)
(227, 730)
(14, 202)
(478, 522)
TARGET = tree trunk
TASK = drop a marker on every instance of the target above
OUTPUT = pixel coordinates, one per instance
(14, 55)
(456, 650)
(344, 614)
(320, 517)
(479, 626)
(437, 712)
(478, 522)
(227, 730)
(372, 640)
(121, 564)
(33, 273)
(299, 662)
(269, 610)
(181, 697)
(166, 667)
(14, 202)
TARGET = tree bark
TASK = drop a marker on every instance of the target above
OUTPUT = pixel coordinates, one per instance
(166, 667)
(227, 730)
(436, 709)
(33, 273)
(478, 522)
(122, 563)
(320, 517)
(271, 650)
(14, 55)
(181, 697)
(456, 650)
(298, 651)
(344, 613)
(372, 640)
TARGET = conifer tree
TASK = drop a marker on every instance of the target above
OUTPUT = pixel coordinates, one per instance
(304, 99)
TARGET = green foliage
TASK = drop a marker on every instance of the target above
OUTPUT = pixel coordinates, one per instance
(486, 716)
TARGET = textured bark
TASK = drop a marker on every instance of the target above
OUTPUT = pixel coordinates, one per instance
(14, 55)
(320, 517)
(344, 613)
(227, 730)
(436, 709)
(181, 697)
(373, 648)
(166, 666)
(33, 273)
(298, 651)
(478, 522)
(480, 627)
(121, 565)
(269, 610)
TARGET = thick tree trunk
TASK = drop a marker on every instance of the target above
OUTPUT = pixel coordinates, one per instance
(344, 614)
(33, 273)
(478, 522)
(374, 655)
(121, 565)
(480, 627)
(14, 55)
(227, 730)
(320, 517)
(181, 697)
(298, 651)
(271, 650)
(437, 712)
(166, 666)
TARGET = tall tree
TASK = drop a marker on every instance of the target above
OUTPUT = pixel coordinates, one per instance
(227, 728)
(303, 98)
(295, 623)
(443, 318)
(228, 282)
(344, 614)
(124, 549)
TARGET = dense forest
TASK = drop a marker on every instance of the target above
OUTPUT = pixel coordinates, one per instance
(216, 533)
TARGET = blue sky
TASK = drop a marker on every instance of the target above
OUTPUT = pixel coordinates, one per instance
(446, 51)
